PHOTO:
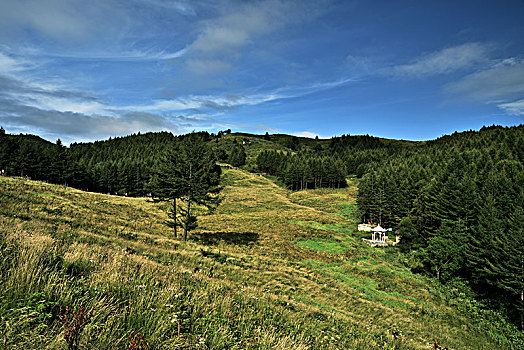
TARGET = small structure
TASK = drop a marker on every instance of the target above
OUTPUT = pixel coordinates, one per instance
(379, 235)
(365, 227)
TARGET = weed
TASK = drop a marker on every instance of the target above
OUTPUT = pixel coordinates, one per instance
(137, 342)
(73, 322)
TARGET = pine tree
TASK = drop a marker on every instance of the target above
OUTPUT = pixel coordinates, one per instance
(189, 172)
(200, 177)
(237, 157)
(166, 182)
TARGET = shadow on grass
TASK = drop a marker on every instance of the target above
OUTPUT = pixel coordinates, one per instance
(235, 238)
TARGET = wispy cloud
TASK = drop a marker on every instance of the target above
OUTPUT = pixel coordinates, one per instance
(223, 39)
(10, 65)
(445, 61)
(502, 82)
(75, 126)
(236, 29)
(514, 108)
(228, 101)
(54, 111)
(181, 6)
(122, 56)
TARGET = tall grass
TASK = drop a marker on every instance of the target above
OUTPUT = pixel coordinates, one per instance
(251, 278)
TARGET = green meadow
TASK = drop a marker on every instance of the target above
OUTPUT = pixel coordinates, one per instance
(269, 269)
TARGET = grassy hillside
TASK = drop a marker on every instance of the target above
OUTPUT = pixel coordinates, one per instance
(269, 269)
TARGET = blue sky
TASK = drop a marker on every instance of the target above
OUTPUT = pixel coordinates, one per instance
(86, 70)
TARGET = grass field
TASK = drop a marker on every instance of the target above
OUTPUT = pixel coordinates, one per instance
(270, 269)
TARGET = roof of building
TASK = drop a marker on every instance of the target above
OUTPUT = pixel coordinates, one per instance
(378, 229)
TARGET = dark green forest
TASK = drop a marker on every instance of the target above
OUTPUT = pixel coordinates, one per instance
(457, 201)
(304, 170)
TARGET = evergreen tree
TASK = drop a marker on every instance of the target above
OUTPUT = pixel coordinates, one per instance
(200, 178)
(166, 182)
(189, 172)
(237, 157)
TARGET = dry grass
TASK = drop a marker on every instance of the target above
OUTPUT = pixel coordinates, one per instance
(269, 269)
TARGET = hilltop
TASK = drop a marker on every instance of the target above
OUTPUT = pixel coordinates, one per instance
(270, 268)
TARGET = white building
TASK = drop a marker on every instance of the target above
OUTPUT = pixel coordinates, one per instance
(379, 234)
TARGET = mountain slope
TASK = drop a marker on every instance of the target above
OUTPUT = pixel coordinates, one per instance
(269, 269)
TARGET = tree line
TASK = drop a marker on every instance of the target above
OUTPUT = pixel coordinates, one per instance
(305, 170)
(121, 165)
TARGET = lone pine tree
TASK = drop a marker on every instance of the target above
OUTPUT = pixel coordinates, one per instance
(166, 182)
(188, 171)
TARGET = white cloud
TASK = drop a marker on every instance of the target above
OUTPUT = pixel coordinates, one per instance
(514, 108)
(501, 83)
(65, 104)
(74, 127)
(182, 7)
(134, 55)
(10, 65)
(230, 101)
(225, 38)
(308, 134)
(222, 39)
(238, 28)
(445, 61)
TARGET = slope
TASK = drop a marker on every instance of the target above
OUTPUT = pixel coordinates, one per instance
(269, 269)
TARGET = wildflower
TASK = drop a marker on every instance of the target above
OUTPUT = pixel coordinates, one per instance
(141, 286)
(201, 341)
(153, 309)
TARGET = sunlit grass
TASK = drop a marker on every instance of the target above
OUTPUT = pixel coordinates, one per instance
(268, 269)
